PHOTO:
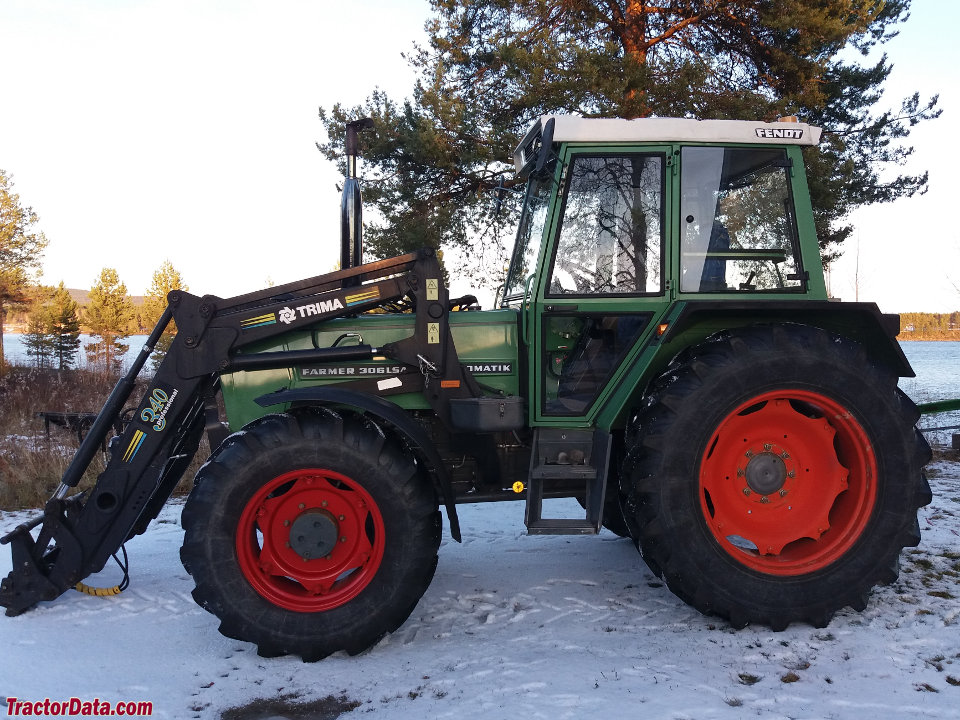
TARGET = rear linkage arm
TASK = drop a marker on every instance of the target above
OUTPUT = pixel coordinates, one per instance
(79, 533)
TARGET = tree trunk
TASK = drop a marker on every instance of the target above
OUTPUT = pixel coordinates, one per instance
(634, 36)
(107, 354)
(3, 319)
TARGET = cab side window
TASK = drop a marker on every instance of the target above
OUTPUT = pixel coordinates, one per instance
(611, 234)
(737, 221)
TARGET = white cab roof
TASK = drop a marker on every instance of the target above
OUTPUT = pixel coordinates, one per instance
(572, 128)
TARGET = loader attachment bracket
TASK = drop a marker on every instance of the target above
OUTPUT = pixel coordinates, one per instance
(27, 583)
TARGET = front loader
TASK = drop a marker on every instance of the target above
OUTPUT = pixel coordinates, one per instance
(663, 350)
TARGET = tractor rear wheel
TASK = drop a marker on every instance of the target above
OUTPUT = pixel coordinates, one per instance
(311, 533)
(776, 476)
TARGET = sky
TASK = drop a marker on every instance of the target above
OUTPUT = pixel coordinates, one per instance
(145, 131)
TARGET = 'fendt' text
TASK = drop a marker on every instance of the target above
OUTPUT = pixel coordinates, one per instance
(787, 133)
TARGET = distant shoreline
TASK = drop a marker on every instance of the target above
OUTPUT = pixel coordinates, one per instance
(902, 337)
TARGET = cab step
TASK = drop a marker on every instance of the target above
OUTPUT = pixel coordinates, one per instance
(569, 458)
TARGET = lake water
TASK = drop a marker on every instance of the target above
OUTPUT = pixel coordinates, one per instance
(15, 353)
(937, 365)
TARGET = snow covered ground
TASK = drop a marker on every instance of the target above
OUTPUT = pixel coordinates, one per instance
(513, 626)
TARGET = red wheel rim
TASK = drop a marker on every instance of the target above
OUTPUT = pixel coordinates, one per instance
(787, 482)
(310, 540)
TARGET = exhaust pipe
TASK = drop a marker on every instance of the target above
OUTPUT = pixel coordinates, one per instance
(351, 205)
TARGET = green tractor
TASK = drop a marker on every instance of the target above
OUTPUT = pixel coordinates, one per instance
(663, 350)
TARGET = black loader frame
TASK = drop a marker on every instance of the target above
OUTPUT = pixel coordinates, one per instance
(80, 532)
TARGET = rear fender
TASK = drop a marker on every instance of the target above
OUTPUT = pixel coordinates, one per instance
(862, 322)
(692, 322)
(396, 420)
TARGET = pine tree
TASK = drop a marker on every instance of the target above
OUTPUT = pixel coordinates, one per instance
(165, 279)
(64, 327)
(21, 249)
(39, 340)
(108, 316)
(491, 67)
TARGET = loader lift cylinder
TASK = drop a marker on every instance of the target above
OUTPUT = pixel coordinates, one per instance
(121, 393)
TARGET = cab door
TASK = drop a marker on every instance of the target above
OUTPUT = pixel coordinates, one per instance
(604, 279)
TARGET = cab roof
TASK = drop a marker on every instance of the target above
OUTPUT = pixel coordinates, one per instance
(572, 128)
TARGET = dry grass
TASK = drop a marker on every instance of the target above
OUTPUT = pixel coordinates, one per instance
(31, 461)
(26, 391)
(945, 454)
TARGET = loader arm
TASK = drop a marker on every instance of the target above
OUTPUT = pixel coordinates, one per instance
(79, 532)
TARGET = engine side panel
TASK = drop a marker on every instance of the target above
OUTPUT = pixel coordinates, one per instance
(486, 341)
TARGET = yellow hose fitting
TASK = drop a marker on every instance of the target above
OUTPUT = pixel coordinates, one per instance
(97, 592)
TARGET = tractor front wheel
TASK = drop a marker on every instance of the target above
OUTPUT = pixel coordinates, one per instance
(776, 476)
(310, 533)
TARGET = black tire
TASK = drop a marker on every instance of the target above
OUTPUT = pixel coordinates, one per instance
(364, 529)
(761, 436)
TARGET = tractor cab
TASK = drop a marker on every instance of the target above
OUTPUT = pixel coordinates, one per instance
(622, 219)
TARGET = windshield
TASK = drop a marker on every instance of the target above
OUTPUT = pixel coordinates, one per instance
(529, 235)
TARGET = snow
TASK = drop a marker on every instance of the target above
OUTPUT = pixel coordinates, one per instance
(512, 626)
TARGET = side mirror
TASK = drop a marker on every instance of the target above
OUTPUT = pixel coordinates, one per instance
(546, 149)
(535, 154)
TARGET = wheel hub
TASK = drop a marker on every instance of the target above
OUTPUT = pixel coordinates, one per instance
(314, 534)
(310, 540)
(775, 491)
(766, 473)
